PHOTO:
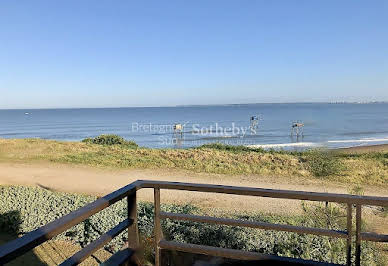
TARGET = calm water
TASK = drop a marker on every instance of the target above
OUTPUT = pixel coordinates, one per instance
(332, 125)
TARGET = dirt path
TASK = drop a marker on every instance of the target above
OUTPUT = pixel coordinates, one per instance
(79, 179)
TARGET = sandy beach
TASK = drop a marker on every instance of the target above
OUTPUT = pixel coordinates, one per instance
(365, 149)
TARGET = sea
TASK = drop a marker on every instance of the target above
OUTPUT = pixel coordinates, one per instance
(270, 126)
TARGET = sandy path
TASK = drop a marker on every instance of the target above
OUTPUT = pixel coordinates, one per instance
(87, 180)
(99, 182)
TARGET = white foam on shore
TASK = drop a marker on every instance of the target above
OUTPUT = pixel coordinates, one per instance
(358, 140)
(281, 145)
(316, 144)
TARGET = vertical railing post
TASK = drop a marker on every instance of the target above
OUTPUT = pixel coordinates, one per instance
(358, 235)
(349, 239)
(133, 232)
(157, 226)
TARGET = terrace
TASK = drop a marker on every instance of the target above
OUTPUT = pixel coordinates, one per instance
(165, 250)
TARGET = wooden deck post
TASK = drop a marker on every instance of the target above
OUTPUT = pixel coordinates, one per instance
(157, 227)
(358, 235)
(349, 239)
(133, 232)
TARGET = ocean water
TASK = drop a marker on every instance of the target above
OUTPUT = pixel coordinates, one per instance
(330, 125)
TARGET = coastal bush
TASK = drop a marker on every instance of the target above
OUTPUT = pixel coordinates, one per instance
(379, 156)
(384, 211)
(246, 149)
(230, 148)
(322, 163)
(36, 207)
(109, 140)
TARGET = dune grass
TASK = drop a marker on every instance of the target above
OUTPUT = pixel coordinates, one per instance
(371, 168)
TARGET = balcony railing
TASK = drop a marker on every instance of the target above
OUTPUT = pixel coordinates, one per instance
(128, 256)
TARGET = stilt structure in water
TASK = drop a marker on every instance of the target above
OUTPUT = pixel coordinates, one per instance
(297, 128)
(254, 124)
(178, 131)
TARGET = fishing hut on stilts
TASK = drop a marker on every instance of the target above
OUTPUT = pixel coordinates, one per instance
(297, 129)
(254, 124)
(178, 133)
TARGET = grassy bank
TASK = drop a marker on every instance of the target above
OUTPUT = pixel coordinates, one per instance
(24, 209)
(368, 168)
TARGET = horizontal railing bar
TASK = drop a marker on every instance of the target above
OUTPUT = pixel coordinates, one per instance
(374, 237)
(81, 255)
(119, 258)
(234, 254)
(254, 224)
(21, 245)
(271, 193)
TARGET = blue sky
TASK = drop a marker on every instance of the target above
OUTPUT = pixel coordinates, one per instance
(157, 53)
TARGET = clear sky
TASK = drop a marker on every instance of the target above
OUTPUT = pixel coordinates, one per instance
(156, 53)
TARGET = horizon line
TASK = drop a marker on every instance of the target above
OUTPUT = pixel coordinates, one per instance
(199, 105)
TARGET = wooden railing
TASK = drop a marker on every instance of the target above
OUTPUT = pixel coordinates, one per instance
(127, 256)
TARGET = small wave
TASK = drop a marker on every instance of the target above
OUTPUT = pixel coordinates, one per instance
(358, 140)
(218, 137)
(282, 145)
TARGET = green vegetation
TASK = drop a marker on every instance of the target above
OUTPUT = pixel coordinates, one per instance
(357, 190)
(323, 163)
(24, 209)
(110, 140)
(353, 169)
(230, 148)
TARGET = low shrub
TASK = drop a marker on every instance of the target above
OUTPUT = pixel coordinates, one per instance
(230, 148)
(24, 209)
(247, 149)
(322, 163)
(110, 140)
(384, 211)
